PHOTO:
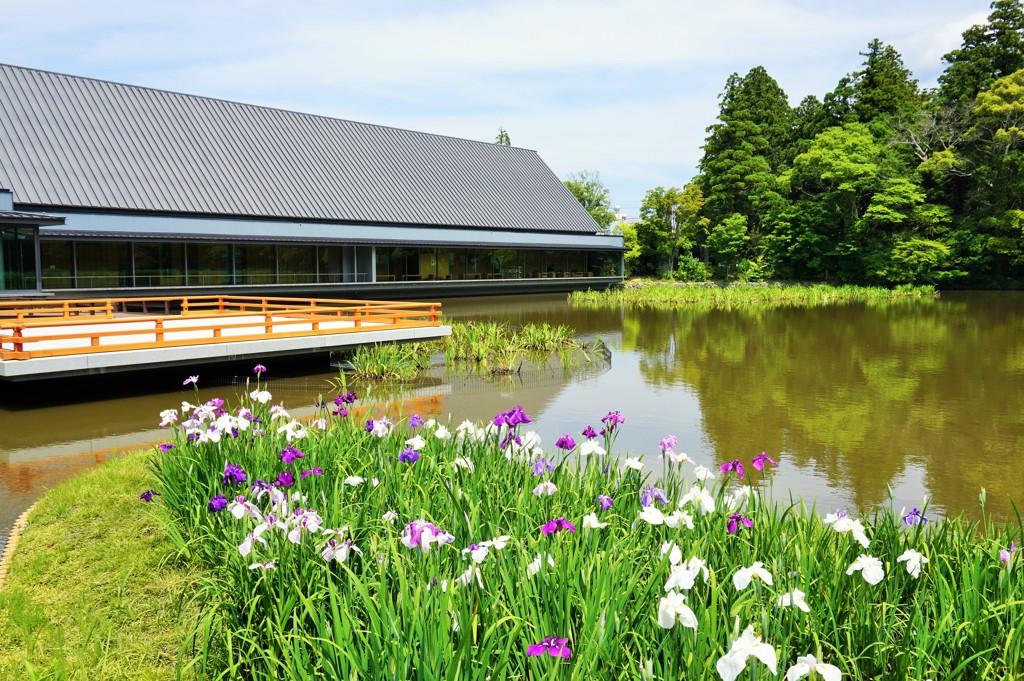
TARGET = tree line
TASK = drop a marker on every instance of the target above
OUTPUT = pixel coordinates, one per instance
(877, 182)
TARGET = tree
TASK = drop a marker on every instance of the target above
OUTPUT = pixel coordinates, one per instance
(503, 137)
(746, 148)
(670, 223)
(884, 88)
(989, 51)
(727, 243)
(590, 191)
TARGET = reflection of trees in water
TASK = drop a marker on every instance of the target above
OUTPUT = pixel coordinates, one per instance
(857, 392)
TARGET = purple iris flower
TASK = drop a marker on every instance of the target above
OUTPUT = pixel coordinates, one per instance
(259, 369)
(369, 426)
(410, 455)
(262, 484)
(233, 474)
(605, 502)
(289, 454)
(286, 479)
(555, 647)
(668, 443)
(347, 398)
(556, 525)
(340, 411)
(166, 447)
(191, 379)
(915, 517)
(542, 466)
(589, 432)
(733, 465)
(415, 421)
(653, 494)
(218, 503)
(509, 439)
(311, 471)
(760, 460)
(611, 420)
(565, 442)
(1005, 555)
(734, 522)
(148, 495)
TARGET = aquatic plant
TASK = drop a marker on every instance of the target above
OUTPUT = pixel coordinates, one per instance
(471, 560)
(667, 295)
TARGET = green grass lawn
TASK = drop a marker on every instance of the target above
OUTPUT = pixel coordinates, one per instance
(92, 592)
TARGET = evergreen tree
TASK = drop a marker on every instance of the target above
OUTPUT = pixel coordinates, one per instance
(989, 51)
(884, 88)
(746, 148)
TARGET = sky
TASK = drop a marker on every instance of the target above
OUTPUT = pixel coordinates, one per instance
(626, 89)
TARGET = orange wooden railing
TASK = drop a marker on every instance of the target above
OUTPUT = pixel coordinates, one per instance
(57, 328)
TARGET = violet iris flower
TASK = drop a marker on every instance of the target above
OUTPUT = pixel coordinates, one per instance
(612, 419)
(166, 447)
(409, 456)
(555, 647)
(653, 494)
(259, 369)
(556, 525)
(733, 465)
(190, 379)
(915, 517)
(760, 460)
(512, 418)
(233, 474)
(311, 471)
(148, 495)
(542, 466)
(589, 432)
(415, 421)
(565, 442)
(262, 484)
(290, 454)
(605, 502)
(1005, 555)
(734, 522)
(218, 503)
(347, 398)
(668, 443)
(286, 479)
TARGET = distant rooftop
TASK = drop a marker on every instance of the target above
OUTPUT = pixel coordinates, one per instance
(80, 143)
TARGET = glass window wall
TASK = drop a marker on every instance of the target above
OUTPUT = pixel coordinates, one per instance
(17, 258)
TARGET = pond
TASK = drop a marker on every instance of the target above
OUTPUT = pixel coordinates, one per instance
(917, 398)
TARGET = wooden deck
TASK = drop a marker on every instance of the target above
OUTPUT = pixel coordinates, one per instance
(207, 327)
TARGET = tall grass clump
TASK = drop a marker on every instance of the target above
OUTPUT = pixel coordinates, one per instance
(405, 549)
(660, 295)
(389, 361)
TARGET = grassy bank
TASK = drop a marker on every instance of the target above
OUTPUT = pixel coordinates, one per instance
(344, 549)
(89, 594)
(662, 294)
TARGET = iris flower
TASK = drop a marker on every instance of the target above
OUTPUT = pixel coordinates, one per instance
(286, 479)
(415, 421)
(842, 523)
(421, 534)
(915, 517)
(677, 518)
(611, 420)
(747, 645)
(605, 502)
(870, 568)
(760, 460)
(684, 575)
(589, 432)
(442, 433)
(537, 563)
(1006, 554)
(700, 498)
(168, 417)
(741, 579)
(795, 599)
(191, 379)
(261, 396)
(416, 442)
(914, 561)
(557, 525)
(673, 609)
(148, 495)
(565, 442)
(668, 443)
(166, 447)
(590, 522)
(807, 664)
(545, 489)
(733, 465)
(259, 369)
(591, 446)
(555, 647)
(735, 519)
(675, 554)
(312, 471)
(542, 466)
(703, 473)
(409, 455)
(233, 474)
(652, 494)
(634, 462)
(290, 454)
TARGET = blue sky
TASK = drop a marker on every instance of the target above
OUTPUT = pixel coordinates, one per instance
(623, 88)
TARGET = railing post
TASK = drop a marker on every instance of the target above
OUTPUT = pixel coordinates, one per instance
(269, 323)
(220, 303)
(356, 314)
(18, 340)
(159, 331)
(184, 306)
(264, 304)
(433, 314)
(67, 310)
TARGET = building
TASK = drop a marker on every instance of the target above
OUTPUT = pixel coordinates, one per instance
(122, 190)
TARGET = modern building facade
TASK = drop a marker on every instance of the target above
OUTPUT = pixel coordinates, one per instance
(115, 189)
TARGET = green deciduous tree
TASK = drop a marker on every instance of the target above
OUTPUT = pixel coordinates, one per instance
(503, 137)
(589, 190)
(670, 224)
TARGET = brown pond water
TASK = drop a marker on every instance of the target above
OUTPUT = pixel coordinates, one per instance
(921, 397)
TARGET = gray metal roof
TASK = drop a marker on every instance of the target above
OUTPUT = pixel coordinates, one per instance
(18, 217)
(67, 141)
